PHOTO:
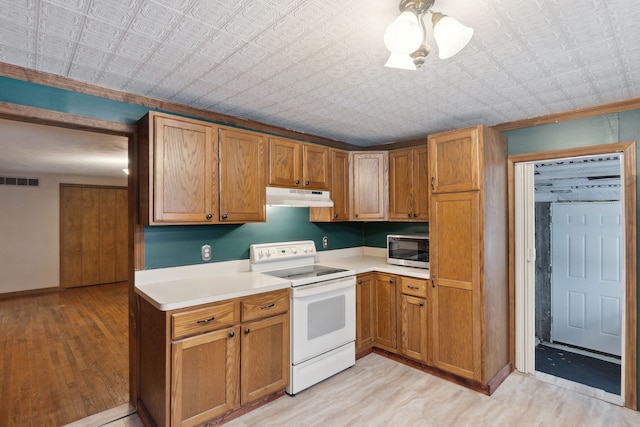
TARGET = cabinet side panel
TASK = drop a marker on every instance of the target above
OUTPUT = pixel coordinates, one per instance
(496, 288)
(154, 363)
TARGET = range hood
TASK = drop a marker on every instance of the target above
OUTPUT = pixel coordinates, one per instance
(299, 198)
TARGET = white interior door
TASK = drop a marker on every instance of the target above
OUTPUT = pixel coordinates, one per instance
(587, 282)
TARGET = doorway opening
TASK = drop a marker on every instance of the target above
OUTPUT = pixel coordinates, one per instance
(573, 271)
(61, 154)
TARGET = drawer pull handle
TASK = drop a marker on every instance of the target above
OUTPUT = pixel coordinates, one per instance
(421, 304)
(266, 307)
(232, 334)
(246, 331)
(415, 288)
(205, 321)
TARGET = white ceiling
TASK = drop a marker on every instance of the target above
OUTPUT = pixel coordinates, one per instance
(30, 150)
(316, 66)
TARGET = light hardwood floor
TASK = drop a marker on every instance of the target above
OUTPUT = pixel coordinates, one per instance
(63, 355)
(379, 392)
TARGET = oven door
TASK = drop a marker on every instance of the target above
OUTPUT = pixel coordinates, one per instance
(323, 317)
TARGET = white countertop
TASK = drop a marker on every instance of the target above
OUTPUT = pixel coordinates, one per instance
(180, 287)
(191, 291)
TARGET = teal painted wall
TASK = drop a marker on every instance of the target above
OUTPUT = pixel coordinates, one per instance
(180, 245)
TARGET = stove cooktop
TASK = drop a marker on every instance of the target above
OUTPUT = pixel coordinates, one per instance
(307, 272)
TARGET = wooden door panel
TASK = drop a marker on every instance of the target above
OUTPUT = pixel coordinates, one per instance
(90, 236)
(455, 271)
(421, 186)
(401, 184)
(364, 310)
(285, 163)
(413, 314)
(385, 311)
(71, 209)
(184, 170)
(455, 161)
(265, 357)
(242, 176)
(204, 380)
(316, 167)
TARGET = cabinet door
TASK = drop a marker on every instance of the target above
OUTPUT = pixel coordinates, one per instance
(339, 190)
(455, 274)
(265, 357)
(205, 377)
(369, 186)
(413, 315)
(385, 297)
(401, 185)
(454, 161)
(285, 163)
(243, 176)
(364, 312)
(340, 184)
(184, 169)
(316, 167)
(421, 187)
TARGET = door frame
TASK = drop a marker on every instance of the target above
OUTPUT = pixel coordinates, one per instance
(629, 181)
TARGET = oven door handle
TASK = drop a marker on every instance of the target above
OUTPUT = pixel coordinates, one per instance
(324, 287)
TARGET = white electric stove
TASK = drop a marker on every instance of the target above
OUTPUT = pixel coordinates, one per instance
(323, 310)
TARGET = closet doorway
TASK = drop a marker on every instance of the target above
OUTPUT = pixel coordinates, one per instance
(559, 336)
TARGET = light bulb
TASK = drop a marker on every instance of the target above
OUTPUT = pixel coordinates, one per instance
(404, 35)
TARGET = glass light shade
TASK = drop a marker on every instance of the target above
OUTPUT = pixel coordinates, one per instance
(404, 35)
(451, 36)
(401, 61)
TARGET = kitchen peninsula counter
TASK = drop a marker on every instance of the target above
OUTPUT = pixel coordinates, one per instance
(174, 288)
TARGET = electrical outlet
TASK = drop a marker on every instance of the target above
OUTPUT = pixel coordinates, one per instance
(325, 242)
(205, 251)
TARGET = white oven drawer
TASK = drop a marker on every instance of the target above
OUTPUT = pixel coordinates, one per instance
(323, 317)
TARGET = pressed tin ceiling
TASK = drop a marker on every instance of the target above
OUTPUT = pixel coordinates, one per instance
(316, 66)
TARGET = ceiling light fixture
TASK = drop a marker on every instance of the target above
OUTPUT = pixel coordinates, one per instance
(406, 36)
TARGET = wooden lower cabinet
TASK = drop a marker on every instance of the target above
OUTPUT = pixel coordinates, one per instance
(200, 363)
(385, 305)
(265, 345)
(364, 312)
(204, 376)
(414, 318)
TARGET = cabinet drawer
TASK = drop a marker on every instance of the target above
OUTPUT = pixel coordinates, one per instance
(415, 287)
(204, 319)
(265, 305)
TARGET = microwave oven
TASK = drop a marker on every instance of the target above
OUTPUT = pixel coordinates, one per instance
(408, 250)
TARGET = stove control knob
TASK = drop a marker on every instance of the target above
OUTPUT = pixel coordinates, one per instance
(294, 250)
(268, 254)
(260, 254)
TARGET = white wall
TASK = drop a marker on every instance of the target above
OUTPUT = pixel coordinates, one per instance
(29, 231)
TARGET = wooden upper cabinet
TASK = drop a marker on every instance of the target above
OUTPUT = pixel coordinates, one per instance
(294, 164)
(455, 161)
(369, 189)
(285, 163)
(243, 176)
(339, 189)
(408, 184)
(178, 174)
(316, 167)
